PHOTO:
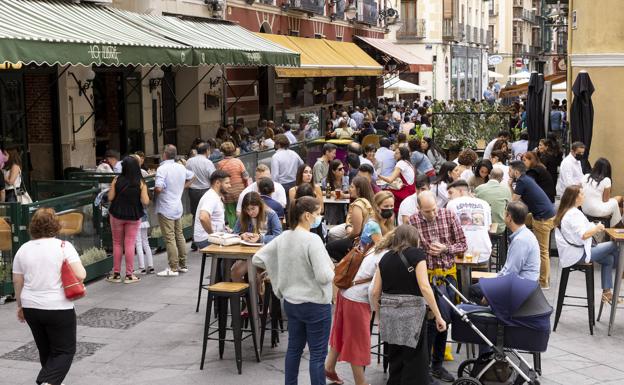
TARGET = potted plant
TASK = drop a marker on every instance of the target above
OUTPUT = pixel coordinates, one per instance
(96, 262)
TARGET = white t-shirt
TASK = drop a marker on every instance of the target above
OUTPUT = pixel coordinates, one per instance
(359, 293)
(475, 217)
(211, 203)
(268, 143)
(40, 262)
(441, 194)
(408, 207)
(466, 174)
(407, 170)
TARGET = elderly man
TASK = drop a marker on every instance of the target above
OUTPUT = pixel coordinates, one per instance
(497, 195)
(171, 180)
(571, 170)
(441, 236)
(262, 171)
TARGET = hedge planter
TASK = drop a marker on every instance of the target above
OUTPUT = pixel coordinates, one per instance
(99, 269)
(6, 290)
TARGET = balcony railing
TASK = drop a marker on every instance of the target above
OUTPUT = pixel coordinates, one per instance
(482, 34)
(412, 29)
(517, 38)
(524, 14)
(519, 49)
(467, 35)
(475, 35)
(368, 13)
(534, 50)
(490, 39)
(518, 3)
(312, 6)
(451, 30)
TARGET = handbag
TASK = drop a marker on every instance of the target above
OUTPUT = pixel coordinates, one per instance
(347, 268)
(73, 287)
(23, 196)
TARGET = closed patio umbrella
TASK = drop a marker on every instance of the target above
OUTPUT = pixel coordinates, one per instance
(535, 109)
(582, 111)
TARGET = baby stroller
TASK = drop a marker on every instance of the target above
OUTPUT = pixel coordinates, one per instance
(517, 319)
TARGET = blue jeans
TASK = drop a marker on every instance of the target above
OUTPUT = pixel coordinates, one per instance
(606, 254)
(307, 323)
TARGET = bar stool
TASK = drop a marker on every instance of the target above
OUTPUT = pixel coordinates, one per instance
(588, 269)
(499, 241)
(270, 304)
(233, 291)
(376, 349)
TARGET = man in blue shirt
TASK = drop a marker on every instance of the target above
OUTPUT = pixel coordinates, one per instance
(542, 212)
(523, 254)
(266, 188)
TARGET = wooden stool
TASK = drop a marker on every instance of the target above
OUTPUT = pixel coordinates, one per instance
(270, 304)
(233, 291)
(588, 269)
(376, 349)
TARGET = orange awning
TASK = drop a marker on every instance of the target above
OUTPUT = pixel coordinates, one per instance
(325, 58)
(398, 52)
(522, 89)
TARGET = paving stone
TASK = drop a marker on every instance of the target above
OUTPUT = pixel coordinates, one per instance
(29, 352)
(112, 318)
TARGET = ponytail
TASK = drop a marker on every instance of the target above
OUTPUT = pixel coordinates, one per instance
(300, 206)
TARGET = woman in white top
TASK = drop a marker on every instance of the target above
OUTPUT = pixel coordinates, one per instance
(268, 142)
(41, 300)
(304, 281)
(597, 189)
(574, 234)
(404, 170)
(12, 173)
(444, 178)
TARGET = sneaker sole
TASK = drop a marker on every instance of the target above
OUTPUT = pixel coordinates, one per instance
(132, 281)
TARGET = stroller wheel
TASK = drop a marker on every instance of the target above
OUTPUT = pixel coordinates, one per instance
(467, 381)
(465, 368)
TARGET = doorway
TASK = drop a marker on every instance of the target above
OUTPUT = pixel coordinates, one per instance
(169, 104)
(12, 121)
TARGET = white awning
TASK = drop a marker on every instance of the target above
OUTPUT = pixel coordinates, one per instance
(399, 86)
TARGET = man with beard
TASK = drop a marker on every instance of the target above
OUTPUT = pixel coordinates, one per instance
(210, 215)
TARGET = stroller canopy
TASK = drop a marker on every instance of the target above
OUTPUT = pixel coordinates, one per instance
(517, 302)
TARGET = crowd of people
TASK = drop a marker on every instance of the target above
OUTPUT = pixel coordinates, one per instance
(409, 206)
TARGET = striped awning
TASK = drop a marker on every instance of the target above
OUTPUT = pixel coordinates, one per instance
(60, 32)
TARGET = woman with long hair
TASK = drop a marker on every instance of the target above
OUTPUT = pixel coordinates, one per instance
(307, 190)
(407, 365)
(336, 178)
(12, 174)
(269, 139)
(257, 224)
(537, 171)
(404, 170)
(128, 195)
(239, 179)
(41, 301)
(361, 208)
(384, 215)
(304, 282)
(433, 152)
(305, 176)
(439, 185)
(481, 173)
(597, 189)
(547, 154)
(574, 232)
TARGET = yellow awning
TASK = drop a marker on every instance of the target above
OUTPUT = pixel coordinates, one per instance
(325, 58)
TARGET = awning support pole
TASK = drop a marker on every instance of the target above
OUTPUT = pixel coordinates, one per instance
(194, 86)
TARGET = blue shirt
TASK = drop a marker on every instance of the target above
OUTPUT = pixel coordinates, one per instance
(274, 205)
(535, 198)
(273, 227)
(370, 228)
(421, 162)
(555, 120)
(523, 255)
(385, 157)
(171, 177)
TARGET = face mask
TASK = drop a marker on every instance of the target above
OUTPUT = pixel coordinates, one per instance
(578, 156)
(317, 222)
(387, 213)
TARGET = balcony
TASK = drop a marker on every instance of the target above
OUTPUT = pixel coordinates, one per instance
(518, 3)
(308, 6)
(367, 12)
(467, 35)
(412, 29)
(524, 14)
(519, 49)
(475, 35)
(482, 34)
(534, 50)
(451, 30)
(490, 39)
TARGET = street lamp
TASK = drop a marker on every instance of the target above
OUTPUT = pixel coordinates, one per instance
(156, 77)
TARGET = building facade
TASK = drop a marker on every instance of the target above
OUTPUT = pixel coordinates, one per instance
(450, 34)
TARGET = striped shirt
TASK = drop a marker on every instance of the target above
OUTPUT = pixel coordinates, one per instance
(238, 178)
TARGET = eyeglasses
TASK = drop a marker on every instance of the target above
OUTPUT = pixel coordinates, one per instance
(340, 169)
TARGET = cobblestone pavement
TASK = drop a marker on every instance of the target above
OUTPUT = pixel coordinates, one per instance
(149, 333)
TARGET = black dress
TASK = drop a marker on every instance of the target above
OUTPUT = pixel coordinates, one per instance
(407, 365)
(544, 180)
(551, 164)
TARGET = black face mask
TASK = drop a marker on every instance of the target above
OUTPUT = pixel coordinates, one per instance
(578, 156)
(386, 213)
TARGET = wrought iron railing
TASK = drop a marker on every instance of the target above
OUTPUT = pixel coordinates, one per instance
(412, 29)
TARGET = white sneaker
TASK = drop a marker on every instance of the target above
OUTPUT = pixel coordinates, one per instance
(168, 273)
(182, 270)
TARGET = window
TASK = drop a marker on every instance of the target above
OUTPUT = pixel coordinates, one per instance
(409, 10)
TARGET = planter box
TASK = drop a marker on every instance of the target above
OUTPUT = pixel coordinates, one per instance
(159, 243)
(99, 269)
(6, 288)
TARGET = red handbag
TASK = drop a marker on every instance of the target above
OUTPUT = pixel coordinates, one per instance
(74, 288)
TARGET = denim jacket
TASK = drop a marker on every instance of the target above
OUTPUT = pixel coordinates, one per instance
(273, 227)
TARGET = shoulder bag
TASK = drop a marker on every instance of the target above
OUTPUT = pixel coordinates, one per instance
(73, 287)
(347, 268)
(401, 316)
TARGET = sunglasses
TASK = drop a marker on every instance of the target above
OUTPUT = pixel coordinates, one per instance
(340, 169)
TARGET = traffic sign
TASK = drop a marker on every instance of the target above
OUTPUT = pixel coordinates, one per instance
(518, 62)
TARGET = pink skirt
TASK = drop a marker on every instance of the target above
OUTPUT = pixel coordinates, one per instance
(350, 333)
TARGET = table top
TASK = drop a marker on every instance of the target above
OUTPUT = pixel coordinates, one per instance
(616, 234)
(337, 201)
(230, 250)
(334, 141)
(464, 262)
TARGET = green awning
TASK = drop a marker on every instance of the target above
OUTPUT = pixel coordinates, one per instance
(56, 32)
(218, 42)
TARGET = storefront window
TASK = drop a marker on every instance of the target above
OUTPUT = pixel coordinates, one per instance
(454, 79)
(461, 74)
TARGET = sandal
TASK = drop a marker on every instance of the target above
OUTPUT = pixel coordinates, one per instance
(114, 277)
(607, 297)
(333, 377)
